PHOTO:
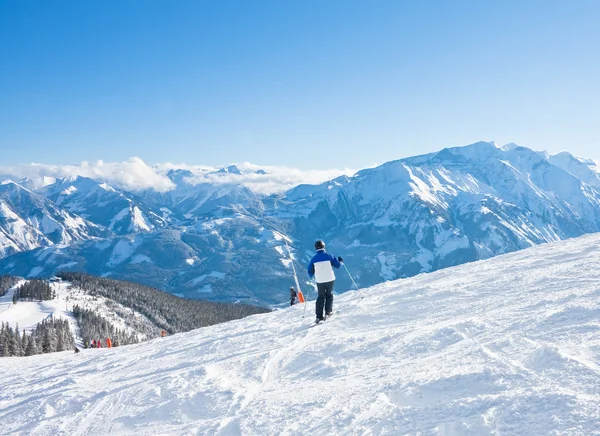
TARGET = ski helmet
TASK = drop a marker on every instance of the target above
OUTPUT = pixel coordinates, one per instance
(319, 245)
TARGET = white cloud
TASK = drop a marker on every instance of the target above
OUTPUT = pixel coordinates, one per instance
(134, 174)
(276, 179)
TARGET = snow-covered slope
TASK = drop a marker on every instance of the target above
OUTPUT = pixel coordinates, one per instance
(102, 204)
(587, 170)
(27, 314)
(29, 220)
(428, 212)
(505, 346)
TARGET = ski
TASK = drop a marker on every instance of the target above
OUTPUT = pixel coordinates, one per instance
(321, 321)
(317, 322)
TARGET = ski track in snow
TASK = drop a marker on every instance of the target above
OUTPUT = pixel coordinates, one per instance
(506, 346)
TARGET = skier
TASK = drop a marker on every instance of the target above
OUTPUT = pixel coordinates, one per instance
(163, 334)
(108, 343)
(320, 267)
(99, 343)
(293, 295)
(93, 343)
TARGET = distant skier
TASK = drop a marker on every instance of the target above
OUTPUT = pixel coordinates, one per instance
(321, 267)
(163, 334)
(99, 343)
(108, 343)
(293, 295)
(93, 343)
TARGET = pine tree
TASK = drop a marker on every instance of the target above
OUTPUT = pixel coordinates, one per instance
(15, 343)
(46, 342)
(32, 348)
(60, 344)
(4, 340)
(24, 344)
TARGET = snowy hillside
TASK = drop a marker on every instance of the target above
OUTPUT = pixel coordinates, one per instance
(27, 314)
(116, 210)
(505, 346)
(97, 308)
(442, 209)
(29, 220)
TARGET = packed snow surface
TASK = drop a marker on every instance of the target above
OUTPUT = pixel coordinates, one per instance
(27, 314)
(506, 346)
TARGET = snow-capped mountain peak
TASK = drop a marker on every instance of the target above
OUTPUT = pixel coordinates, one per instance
(232, 169)
(30, 220)
(117, 210)
(510, 146)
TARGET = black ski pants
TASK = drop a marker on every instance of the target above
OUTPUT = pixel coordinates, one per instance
(325, 298)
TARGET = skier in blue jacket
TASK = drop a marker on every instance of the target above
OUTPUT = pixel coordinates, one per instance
(321, 268)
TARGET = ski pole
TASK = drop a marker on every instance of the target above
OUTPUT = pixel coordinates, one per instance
(295, 275)
(350, 275)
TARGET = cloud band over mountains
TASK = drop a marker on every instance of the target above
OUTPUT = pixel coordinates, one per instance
(134, 175)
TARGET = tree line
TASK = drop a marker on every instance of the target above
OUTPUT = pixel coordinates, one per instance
(145, 311)
(93, 326)
(164, 311)
(38, 290)
(50, 335)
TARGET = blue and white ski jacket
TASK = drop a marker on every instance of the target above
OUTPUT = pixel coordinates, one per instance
(320, 267)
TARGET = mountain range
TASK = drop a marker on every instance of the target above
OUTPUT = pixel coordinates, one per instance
(218, 239)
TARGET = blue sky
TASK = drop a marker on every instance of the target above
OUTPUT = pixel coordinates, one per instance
(307, 84)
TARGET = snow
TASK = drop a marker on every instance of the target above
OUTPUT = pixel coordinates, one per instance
(118, 217)
(506, 346)
(450, 241)
(66, 265)
(424, 258)
(6, 300)
(139, 220)
(140, 258)
(27, 314)
(17, 234)
(122, 251)
(107, 187)
(50, 225)
(213, 274)
(103, 245)
(35, 271)
(206, 289)
(388, 264)
(70, 190)
(217, 274)
(199, 279)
